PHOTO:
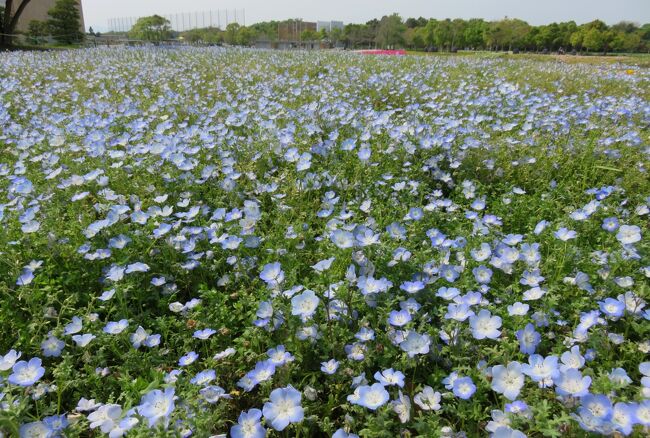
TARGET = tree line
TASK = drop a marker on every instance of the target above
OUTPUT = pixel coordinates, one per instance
(392, 31)
(63, 23)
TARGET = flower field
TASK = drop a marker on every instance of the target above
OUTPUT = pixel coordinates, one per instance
(205, 242)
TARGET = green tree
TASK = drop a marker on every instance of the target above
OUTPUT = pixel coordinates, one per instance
(389, 31)
(594, 40)
(230, 35)
(36, 31)
(10, 14)
(65, 22)
(154, 28)
(475, 33)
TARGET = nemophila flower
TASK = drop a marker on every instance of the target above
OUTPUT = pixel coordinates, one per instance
(188, 359)
(340, 433)
(508, 380)
(628, 234)
(399, 318)
(26, 373)
(428, 399)
(87, 405)
(415, 344)
(458, 312)
(564, 234)
(372, 397)
(402, 407)
(125, 425)
(643, 412)
(52, 347)
(136, 267)
(225, 353)
(157, 406)
(356, 351)
(624, 417)
(248, 425)
(279, 356)
(619, 377)
(412, 287)
(506, 432)
(572, 383)
(323, 265)
(518, 309)
(365, 334)
(272, 274)
(204, 334)
(598, 405)
(204, 377)
(528, 339)
(330, 366)
(612, 308)
(83, 340)
(390, 377)
(610, 224)
(262, 372)
(371, 285)
(541, 226)
(464, 388)
(8, 360)
(342, 239)
(213, 394)
(36, 429)
(283, 408)
(114, 328)
(572, 359)
(447, 293)
(484, 325)
(516, 407)
(304, 305)
(106, 417)
(542, 369)
(482, 274)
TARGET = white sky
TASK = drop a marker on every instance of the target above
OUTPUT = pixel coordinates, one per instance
(97, 12)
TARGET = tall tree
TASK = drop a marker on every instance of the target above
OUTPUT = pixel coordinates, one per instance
(154, 28)
(65, 22)
(389, 31)
(10, 19)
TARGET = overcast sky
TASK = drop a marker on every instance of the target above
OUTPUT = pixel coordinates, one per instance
(97, 12)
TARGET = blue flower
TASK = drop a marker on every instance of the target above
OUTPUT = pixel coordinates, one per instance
(464, 388)
(508, 380)
(272, 274)
(484, 325)
(330, 366)
(571, 382)
(156, 406)
(415, 344)
(204, 334)
(204, 377)
(304, 305)
(26, 373)
(188, 359)
(52, 347)
(283, 408)
(390, 377)
(565, 234)
(399, 318)
(528, 339)
(372, 397)
(248, 425)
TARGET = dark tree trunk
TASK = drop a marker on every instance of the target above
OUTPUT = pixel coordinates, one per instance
(10, 21)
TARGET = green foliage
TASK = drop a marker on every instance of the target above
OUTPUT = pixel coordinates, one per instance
(65, 22)
(36, 31)
(153, 28)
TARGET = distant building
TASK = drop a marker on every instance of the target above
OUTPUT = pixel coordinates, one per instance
(37, 10)
(290, 30)
(329, 25)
